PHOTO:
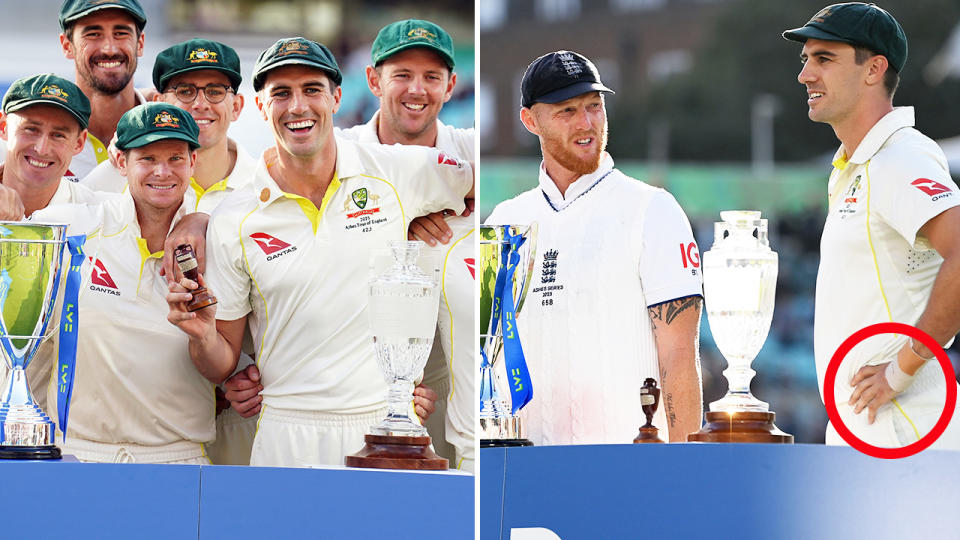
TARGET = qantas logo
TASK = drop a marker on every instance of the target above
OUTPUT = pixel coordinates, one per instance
(271, 245)
(100, 279)
(472, 266)
(443, 159)
(931, 187)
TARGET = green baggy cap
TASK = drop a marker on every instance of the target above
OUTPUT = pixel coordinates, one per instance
(857, 23)
(71, 10)
(195, 55)
(48, 89)
(297, 50)
(402, 35)
(152, 122)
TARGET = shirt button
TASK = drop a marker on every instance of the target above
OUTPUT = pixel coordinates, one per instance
(265, 194)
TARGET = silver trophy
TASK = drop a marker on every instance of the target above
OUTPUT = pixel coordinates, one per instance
(739, 286)
(403, 308)
(498, 426)
(30, 259)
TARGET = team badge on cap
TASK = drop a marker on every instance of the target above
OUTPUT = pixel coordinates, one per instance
(824, 13)
(293, 47)
(202, 55)
(165, 119)
(421, 33)
(54, 92)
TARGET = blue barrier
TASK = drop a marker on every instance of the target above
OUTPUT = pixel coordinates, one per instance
(740, 491)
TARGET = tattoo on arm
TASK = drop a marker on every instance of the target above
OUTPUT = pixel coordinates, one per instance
(668, 400)
(667, 312)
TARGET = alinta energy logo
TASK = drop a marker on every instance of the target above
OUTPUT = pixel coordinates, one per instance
(100, 279)
(272, 246)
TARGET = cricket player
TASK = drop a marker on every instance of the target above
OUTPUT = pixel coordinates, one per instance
(412, 75)
(128, 405)
(290, 258)
(889, 250)
(617, 291)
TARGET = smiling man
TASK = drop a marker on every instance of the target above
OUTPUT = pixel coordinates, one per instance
(297, 247)
(128, 406)
(104, 38)
(619, 303)
(890, 251)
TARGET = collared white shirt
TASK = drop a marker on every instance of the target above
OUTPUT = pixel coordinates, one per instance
(300, 272)
(605, 251)
(457, 141)
(875, 267)
(134, 380)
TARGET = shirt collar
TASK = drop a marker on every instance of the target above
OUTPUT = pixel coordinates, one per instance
(898, 118)
(577, 188)
(369, 133)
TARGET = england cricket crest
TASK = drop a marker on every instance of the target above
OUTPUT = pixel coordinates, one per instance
(359, 197)
(549, 266)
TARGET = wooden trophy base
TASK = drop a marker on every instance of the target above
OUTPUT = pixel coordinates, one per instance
(740, 427)
(648, 435)
(201, 299)
(397, 452)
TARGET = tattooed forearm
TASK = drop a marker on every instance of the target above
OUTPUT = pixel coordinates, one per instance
(669, 408)
(667, 312)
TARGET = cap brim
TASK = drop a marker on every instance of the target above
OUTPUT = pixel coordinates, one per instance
(141, 22)
(572, 91)
(233, 76)
(427, 45)
(258, 78)
(23, 105)
(804, 33)
(149, 138)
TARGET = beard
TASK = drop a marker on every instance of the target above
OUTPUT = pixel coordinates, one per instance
(108, 84)
(557, 148)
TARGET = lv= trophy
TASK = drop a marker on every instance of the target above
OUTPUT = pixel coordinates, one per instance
(31, 255)
(403, 309)
(739, 285)
(507, 255)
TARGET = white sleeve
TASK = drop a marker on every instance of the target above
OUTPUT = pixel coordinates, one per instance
(226, 275)
(105, 177)
(669, 257)
(909, 188)
(430, 180)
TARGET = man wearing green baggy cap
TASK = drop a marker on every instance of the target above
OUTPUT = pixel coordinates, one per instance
(889, 251)
(104, 38)
(44, 124)
(128, 406)
(296, 247)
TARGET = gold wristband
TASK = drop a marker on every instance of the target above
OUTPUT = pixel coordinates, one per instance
(918, 355)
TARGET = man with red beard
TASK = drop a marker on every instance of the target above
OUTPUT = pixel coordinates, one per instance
(104, 39)
(607, 246)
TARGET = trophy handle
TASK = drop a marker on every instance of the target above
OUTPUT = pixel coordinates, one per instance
(532, 247)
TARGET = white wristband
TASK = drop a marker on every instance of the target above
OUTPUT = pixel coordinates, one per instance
(896, 377)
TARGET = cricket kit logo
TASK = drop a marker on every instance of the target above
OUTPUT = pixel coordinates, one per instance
(272, 246)
(421, 33)
(690, 256)
(165, 119)
(100, 279)
(471, 266)
(202, 55)
(444, 159)
(52, 91)
(935, 189)
(549, 266)
(360, 199)
(849, 204)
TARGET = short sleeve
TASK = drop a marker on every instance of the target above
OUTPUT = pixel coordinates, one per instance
(226, 276)
(910, 187)
(669, 256)
(431, 180)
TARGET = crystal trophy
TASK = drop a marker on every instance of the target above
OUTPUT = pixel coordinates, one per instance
(403, 309)
(739, 286)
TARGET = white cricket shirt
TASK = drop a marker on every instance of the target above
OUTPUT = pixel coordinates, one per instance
(606, 251)
(875, 268)
(301, 272)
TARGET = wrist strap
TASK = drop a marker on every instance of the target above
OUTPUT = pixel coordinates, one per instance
(896, 377)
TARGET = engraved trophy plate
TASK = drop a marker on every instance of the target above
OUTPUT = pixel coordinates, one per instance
(31, 255)
(739, 285)
(403, 309)
(499, 426)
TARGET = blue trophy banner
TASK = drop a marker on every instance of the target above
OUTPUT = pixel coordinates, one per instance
(521, 388)
(69, 330)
